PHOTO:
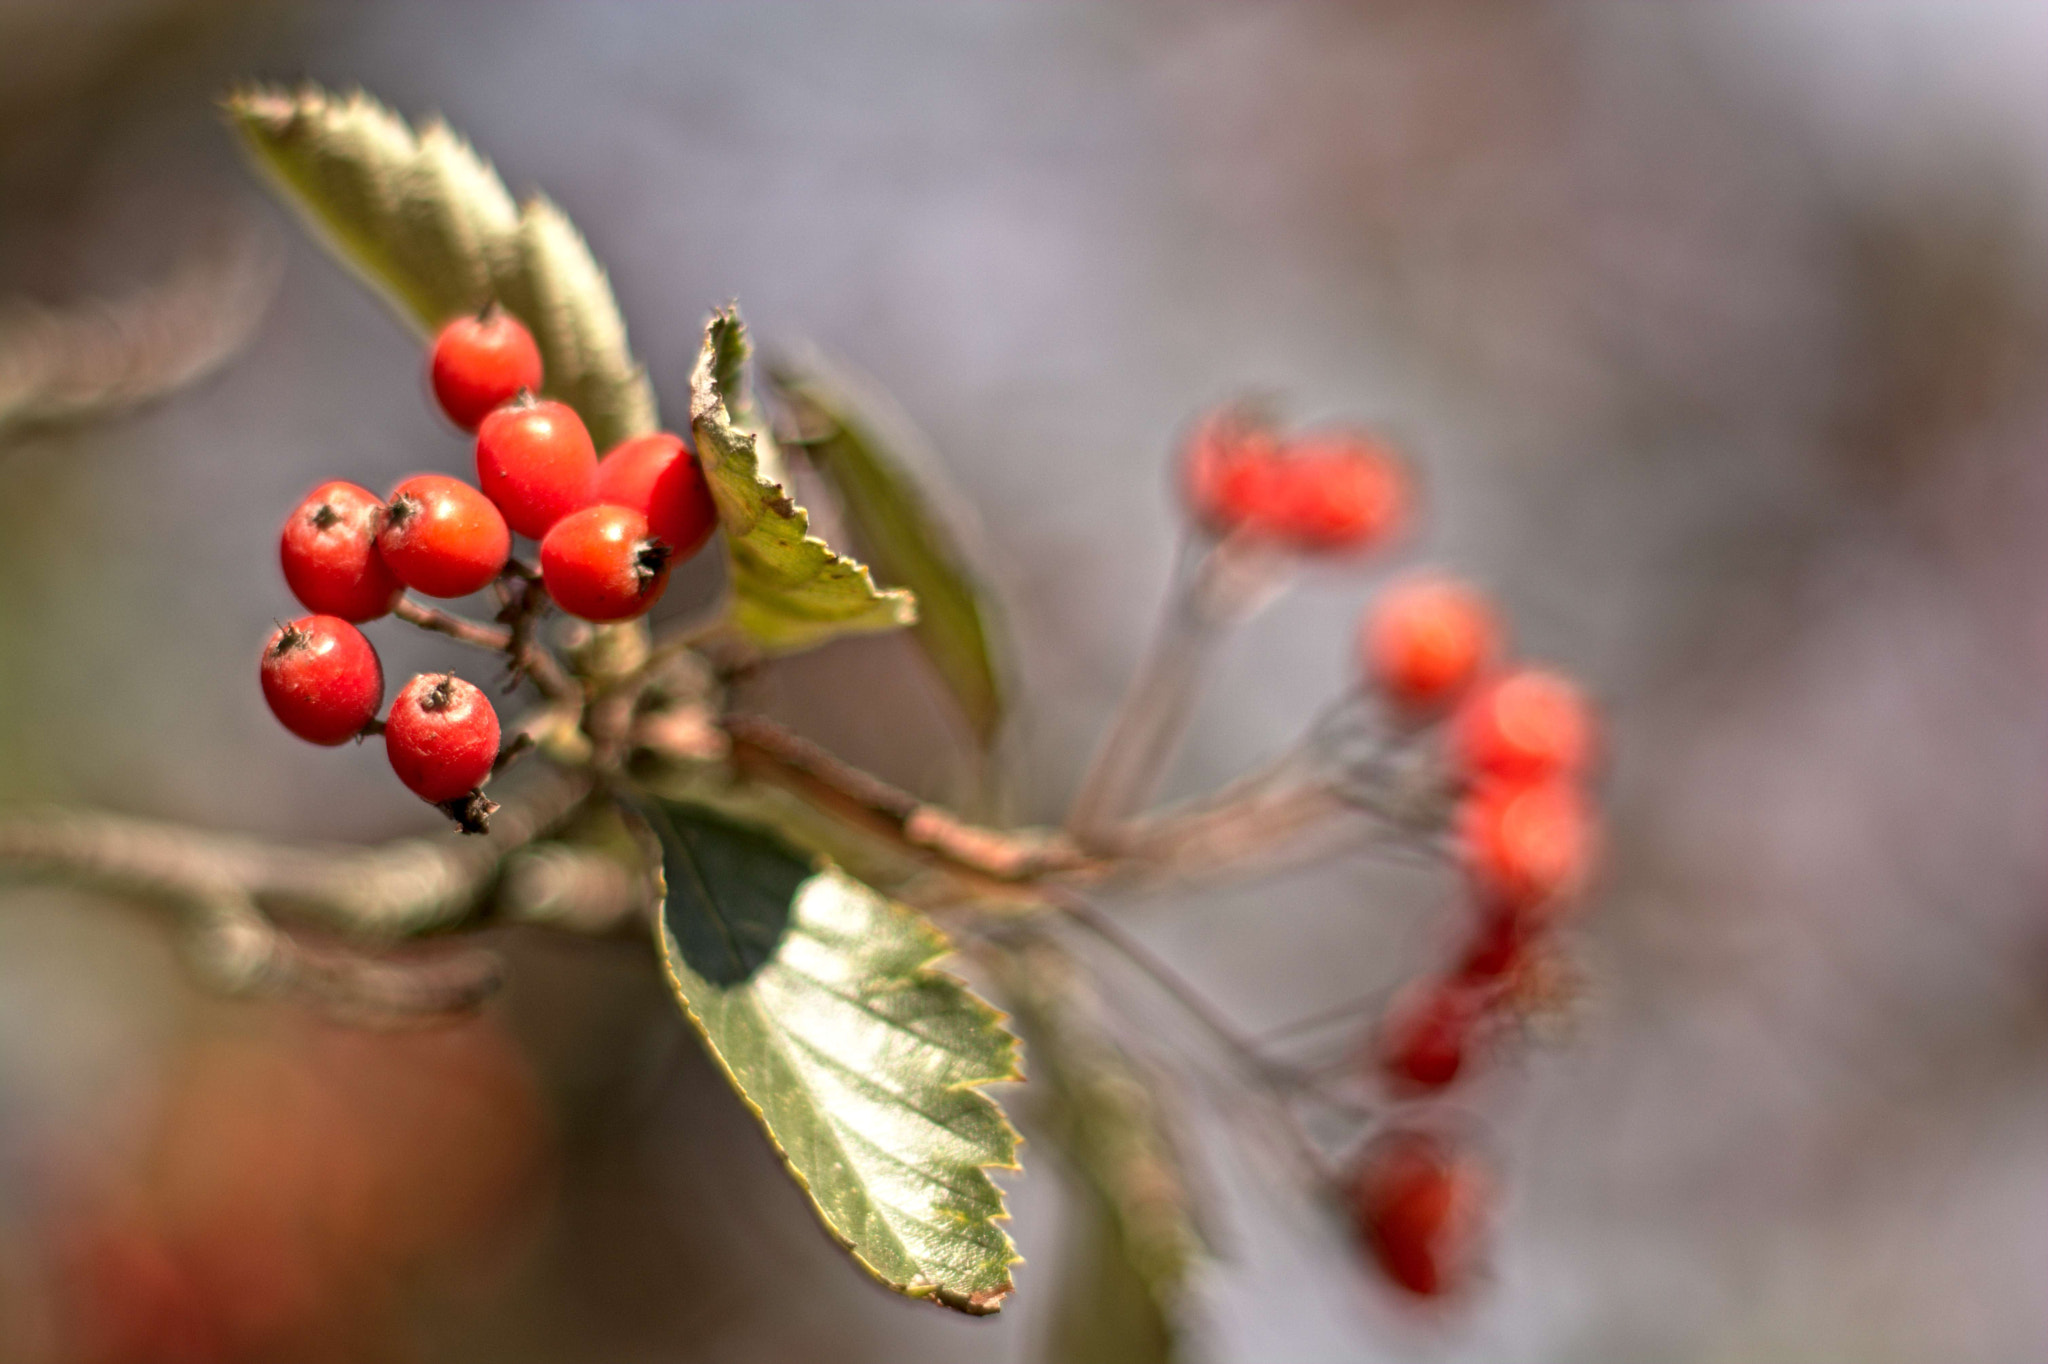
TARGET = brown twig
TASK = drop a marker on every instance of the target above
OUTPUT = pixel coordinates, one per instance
(761, 748)
(405, 888)
(528, 656)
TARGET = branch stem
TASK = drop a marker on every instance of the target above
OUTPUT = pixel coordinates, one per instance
(1217, 588)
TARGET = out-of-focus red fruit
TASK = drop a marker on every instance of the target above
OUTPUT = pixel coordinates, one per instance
(1337, 493)
(1527, 845)
(1418, 1206)
(1429, 1035)
(1523, 725)
(1425, 640)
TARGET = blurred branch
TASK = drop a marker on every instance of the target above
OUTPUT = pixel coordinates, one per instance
(95, 357)
(763, 749)
(404, 888)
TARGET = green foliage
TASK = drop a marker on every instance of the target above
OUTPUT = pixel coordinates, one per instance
(428, 222)
(902, 533)
(790, 590)
(818, 998)
(1137, 1224)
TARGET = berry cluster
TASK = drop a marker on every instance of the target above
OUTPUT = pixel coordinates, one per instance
(1319, 492)
(1516, 743)
(609, 531)
(1508, 747)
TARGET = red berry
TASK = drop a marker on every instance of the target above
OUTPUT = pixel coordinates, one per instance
(1418, 1205)
(1528, 845)
(659, 476)
(601, 564)
(1339, 493)
(1527, 724)
(535, 460)
(441, 737)
(443, 537)
(1230, 469)
(329, 552)
(482, 362)
(322, 679)
(1425, 640)
(1428, 1034)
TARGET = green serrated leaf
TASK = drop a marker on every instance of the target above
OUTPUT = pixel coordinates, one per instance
(428, 222)
(901, 531)
(790, 590)
(862, 1062)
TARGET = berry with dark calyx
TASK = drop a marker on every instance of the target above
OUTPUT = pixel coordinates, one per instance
(1425, 640)
(443, 537)
(659, 477)
(1429, 1035)
(329, 553)
(1419, 1206)
(601, 564)
(482, 362)
(535, 460)
(322, 679)
(1336, 493)
(1527, 845)
(1524, 725)
(441, 737)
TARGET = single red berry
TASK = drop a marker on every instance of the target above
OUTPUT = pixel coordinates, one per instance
(329, 553)
(1527, 724)
(1429, 1034)
(443, 537)
(535, 460)
(482, 362)
(1230, 469)
(1527, 845)
(322, 679)
(1419, 1206)
(601, 564)
(1425, 640)
(659, 477)
(441, 737)
(1337, 493)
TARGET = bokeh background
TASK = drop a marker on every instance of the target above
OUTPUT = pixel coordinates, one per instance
(1721, 333)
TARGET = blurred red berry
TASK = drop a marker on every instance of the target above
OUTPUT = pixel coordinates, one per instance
(1338, 493)
(322, 679)
(1524, 725)
(441, 737)
(329, 553)
(535, 460)
(659, 477)
(443, 537)
(1230, 468)
(1419, 1207)
(1429, 1034)
(482, 362)
(1425, 640)
(1527, 845)
(601, 564)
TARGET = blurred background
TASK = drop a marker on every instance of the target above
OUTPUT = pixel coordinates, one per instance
(1719, 330)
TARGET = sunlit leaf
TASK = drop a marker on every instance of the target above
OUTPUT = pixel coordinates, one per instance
(818, 998)
(790, 590)
(427, 221)
(903, 534)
